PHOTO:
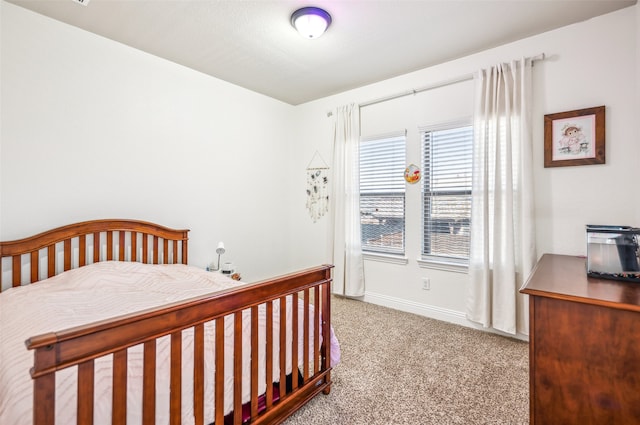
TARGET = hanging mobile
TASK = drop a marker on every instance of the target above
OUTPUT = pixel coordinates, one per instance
(317, 188)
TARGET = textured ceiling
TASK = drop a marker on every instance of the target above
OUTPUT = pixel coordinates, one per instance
(252, 44)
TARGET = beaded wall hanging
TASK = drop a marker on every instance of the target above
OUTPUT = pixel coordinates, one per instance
(317, 187)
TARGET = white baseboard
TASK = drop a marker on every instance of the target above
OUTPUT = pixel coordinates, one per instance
(431, 311)
(434, 312)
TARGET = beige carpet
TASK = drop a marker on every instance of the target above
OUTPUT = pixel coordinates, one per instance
(401, 368)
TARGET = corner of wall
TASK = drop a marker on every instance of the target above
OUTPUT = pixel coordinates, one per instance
(637, 36)
(1, 27)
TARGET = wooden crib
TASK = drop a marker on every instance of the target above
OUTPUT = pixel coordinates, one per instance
(65, 248)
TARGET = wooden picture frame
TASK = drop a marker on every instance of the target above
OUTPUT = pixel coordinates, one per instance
(575, 137)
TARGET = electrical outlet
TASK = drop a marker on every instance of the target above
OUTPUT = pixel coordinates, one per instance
(426, 283)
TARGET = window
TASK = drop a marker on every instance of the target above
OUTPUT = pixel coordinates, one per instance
(382, 188)
(446, 185)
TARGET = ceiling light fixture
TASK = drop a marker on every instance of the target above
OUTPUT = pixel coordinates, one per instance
(311, 22)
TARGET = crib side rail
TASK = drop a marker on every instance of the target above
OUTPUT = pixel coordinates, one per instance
(82, 345)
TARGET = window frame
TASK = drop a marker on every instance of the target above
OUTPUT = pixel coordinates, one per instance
(386, 254)
(428, 260)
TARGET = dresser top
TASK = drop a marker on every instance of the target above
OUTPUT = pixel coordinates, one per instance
(565, 277)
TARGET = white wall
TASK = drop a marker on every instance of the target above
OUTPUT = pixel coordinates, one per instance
(94, 129)
(589, 64)
(593, 64)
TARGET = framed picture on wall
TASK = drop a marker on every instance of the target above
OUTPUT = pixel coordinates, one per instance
(574, 137)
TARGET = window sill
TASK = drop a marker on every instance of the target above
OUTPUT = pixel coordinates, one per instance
(447, 266)
(385, 258)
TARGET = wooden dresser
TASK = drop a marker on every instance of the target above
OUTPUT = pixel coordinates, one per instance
(584, 345)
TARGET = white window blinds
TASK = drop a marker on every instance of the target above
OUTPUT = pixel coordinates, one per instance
(382, 190)
(446, 184)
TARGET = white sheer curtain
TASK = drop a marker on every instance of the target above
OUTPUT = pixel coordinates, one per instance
(502, 222)
(345, 243)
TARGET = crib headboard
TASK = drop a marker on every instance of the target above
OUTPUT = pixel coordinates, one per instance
(75, 245)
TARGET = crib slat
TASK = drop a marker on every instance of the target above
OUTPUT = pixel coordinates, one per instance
(145, 248)
(254, 361)
(67, 254)
(295, 330)
(155, 250)
(122, 236)
(134, 246)
(35, 267)
(16, 270)
(119, 404)
(316, 330)
(51, 257)
(82, 247)
(175, 404)
(85, 392)
(237, 368)
(96, 247)
(283, 346)
(269, 353)
(198, 374)
(326, 336)
(165, 258)
(305, 339)
(219, 374)
(149, 384)
(185, 251)
(109, 245)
